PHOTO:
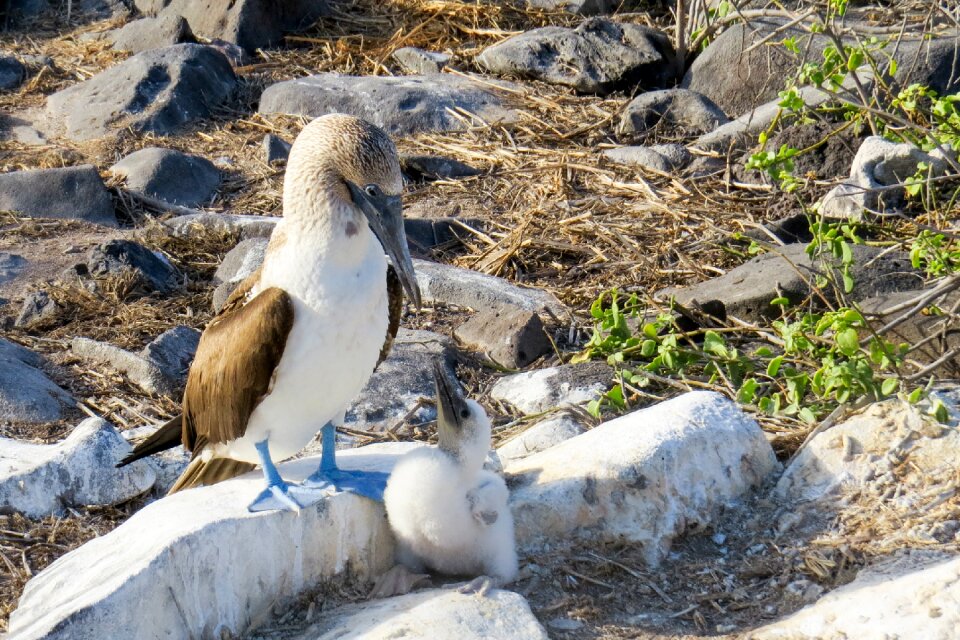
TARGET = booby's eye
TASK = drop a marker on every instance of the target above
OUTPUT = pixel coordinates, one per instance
(372, 190)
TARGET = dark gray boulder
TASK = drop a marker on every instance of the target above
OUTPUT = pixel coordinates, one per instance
(27, 395)
(36, 306)
(400, 105)
(11, 73)
(151, 33)
(739, 77)
(172, 352)
(689, 112)
(512, 338)
(156, 91)
(169, 175)
(746, 291)
(251, 24)
(70, 193)
(661, 157)
(599, 56)
(150, 271)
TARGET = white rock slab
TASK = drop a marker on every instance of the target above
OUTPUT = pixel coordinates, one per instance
(196, 563)
(249, 226)
(645, 477)
(866, 449)
(140, 371)
(434, 614)
(539, 437)
(544, 389)
(454, 285)
(897, 600)
(38, 480)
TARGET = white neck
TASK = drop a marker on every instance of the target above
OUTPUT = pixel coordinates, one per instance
(323, 247)
(473, 449)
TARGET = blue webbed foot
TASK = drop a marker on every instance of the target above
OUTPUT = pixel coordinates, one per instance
(280, 494)
(369, 484)
(281, 497)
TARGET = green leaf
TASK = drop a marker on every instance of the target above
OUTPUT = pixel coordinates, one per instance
(889, 386)
(615, 396)
(846, 253)
(807, 415)
(849, 341)
(714, 343)
(940, 412)
(915, 396)
(856, 60)
(593, 408)
(748, 391)
(648, 348)
(847, 282)
(782, 301)
(774, 367)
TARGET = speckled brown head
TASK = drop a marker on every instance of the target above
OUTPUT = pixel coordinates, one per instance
(346, 167)
(353, 148)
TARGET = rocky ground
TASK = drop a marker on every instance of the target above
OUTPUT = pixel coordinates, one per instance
(550, 157)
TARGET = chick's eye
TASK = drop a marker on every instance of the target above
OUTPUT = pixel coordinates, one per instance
(464, 413)
(372, 190)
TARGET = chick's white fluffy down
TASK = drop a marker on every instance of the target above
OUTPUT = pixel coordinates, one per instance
(450, 520)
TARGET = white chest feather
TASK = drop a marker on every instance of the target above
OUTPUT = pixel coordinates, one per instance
(340, 323)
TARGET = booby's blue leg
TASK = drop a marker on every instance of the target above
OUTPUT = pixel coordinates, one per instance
(277, 495)
(369, 484)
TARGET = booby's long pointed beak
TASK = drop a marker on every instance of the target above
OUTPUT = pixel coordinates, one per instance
(452, 406)
(385, 215)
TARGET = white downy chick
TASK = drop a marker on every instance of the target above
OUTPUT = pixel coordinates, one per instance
(448, 514)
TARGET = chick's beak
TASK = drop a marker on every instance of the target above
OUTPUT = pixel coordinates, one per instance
(451, 404)
(385, 216)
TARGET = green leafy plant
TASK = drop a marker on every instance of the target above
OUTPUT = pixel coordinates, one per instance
(778, 165)
(810, 363)
(835, 240)
(935, 254)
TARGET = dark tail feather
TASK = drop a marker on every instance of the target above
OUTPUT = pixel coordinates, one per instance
(200, 472)
(166, 437)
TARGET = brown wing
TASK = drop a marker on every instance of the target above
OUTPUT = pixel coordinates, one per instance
(394, 309)
(234, 365)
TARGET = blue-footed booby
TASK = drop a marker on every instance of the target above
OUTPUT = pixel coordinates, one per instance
(446, 511)
(298, 339)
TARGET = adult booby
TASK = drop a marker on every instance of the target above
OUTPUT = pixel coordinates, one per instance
(298, 339)
(447, 512)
